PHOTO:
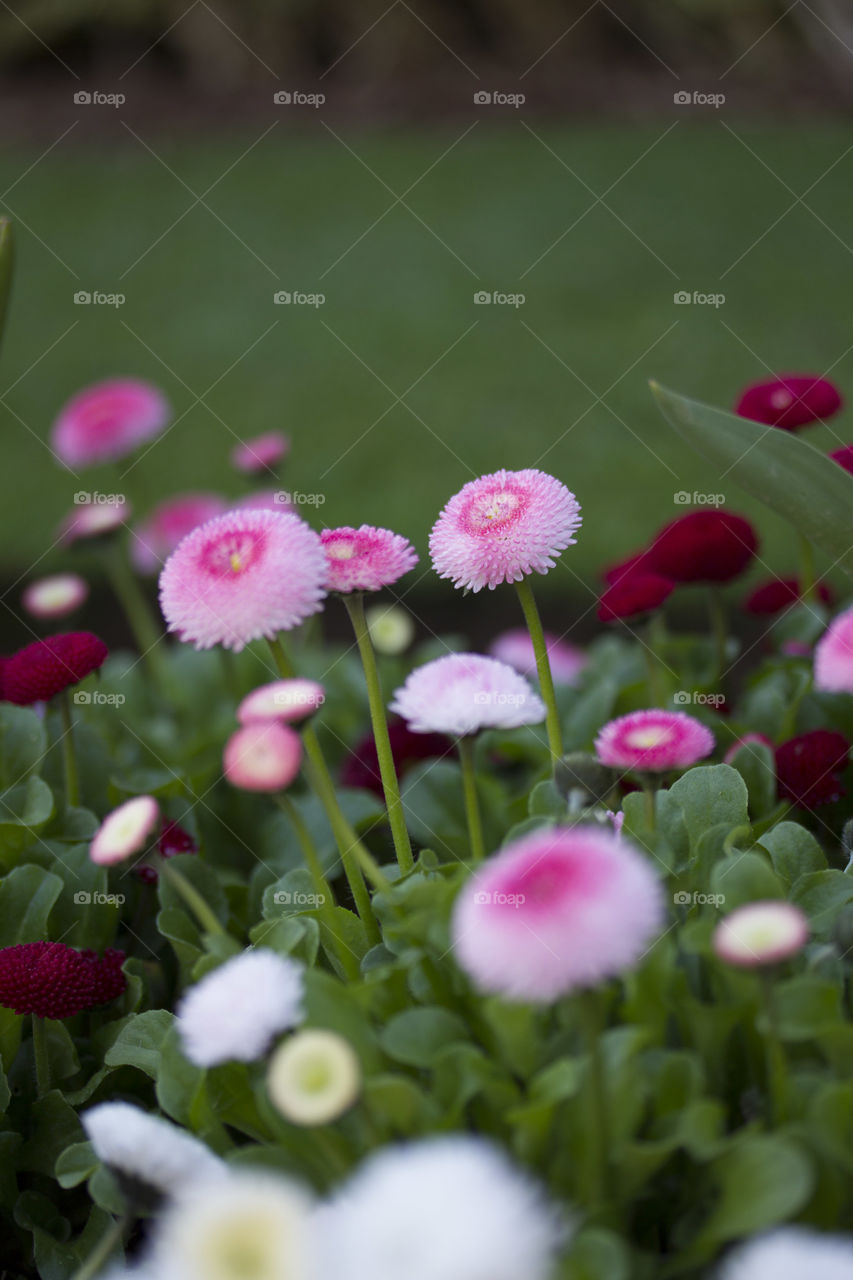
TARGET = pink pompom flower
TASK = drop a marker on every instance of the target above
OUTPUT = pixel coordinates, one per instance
(56, 596)
(285, 700)
(92, 520)
(463, 693)
(243, 576)
(366, 558)
(155, 537)
(261, 453)
(654, 741)
(262, 756)
(125, 831)
(833, 658)
(502, 527)
(515, 648)
(789, 400)
(555, 911)
(107, 421)
(760, 933)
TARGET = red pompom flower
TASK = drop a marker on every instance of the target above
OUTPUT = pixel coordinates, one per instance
(52, 980)
(808, 768)
(703, 546)
(780, 593)
(634, 594)
(789, 401)
(44, 668)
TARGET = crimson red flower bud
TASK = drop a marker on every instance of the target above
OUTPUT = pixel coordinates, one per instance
(52, 980)
(789, 401)
(779, 593)
(703, 546)
(44, 668)
(808, 768)
(173, 840)
(844, 457)
(634, 594)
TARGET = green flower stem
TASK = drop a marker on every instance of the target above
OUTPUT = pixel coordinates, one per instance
(777, 1066)
(808, 576)
(472, 804)
(649, 791)
(40, 1056)
(146, 632)
(72, 781)
(599, 1129)
(209, 922)
(356, 860)
(655, 678)
(402, 845)
(719, 628)
(347, 959)
(102, 1250)
(543, 665)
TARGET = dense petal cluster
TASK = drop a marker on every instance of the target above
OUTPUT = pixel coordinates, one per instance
(703, 546)
(108, 420)
(789, 401)
(502, 527)
(809, 768)
(761, 933)
(237, 1009)
(777, 594)
(654, 741)
(515, 648)
(634, 594)
(243, 576)
(557, 910)
(52, 980)
(366, 558)
(56, 596)
(833, 659)
(465, 692)
(155, 538)
(44, 668)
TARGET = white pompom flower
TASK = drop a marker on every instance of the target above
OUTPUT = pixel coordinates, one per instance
(235, 1012)
(314, 1076)
(791, 1253)
(141, 1148)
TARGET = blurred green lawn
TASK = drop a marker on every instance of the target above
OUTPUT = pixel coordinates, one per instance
(481, 386)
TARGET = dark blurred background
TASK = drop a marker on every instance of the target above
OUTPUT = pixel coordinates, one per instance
(596, 159)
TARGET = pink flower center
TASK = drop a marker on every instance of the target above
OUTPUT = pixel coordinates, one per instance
(549, 880)
(487, 512)
(229, 554)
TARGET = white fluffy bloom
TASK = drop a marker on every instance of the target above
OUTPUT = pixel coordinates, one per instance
(465, 692)
(235, 1011)
(314, 1077)
(450, 1208)
(791, 1253)
(148, 1148)
(248, 1226)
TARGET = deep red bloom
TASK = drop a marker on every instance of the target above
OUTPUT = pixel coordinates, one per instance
(789, 401)
(703, 546)
(844, 457)
(55, 981)
(778, 593)
(617, 572)
(46, 667)
(634, 594)
(173, 840)
(361, 767)
(808, 768)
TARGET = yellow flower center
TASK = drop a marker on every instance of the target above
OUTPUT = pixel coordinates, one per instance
(653, 736)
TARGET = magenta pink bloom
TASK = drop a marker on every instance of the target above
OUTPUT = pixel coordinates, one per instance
(465, 692)
(56, 596)
(262, 756)
(243, 576)
(155, 538)
(557, 910)
(502, 527)
(107, 421)
(366, 558)
(654, 741)
(833, 658)
(515, 648)
(761, 933)
(285, 700)
(261, 453)
(789, 401)
(92, 520)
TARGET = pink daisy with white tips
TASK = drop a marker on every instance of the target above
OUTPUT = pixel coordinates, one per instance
(125, 831)
(107, 421)
(833, 658)
(244, 576)
(654, 741)
(502, 527)
(56, 596)
(155, 537)
(761, 933)
(262, 756)
(464, 693)
(285, 700)
(367, 558)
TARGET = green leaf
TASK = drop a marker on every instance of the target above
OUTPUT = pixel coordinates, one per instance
(23, 740)
(709, 795)
(822, 894)
(54, 1127)
(780, 468)
(435, 809)
(140, 1042)
(597, 1254)
(756, 765)
(805, 1005)
(27, 895)
(398, 1105)
(745, 877)
(545, 801)
(762, 1180)
(76, 1164)
(85, 914)
(417, 1036)
(793, 851)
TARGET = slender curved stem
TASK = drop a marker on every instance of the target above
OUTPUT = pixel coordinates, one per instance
(40, 1055)
(402, 845)
(72, 781)
(102, 1250)
(543, 665)
(203, 913)
(472, 804)
(777, 1066)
